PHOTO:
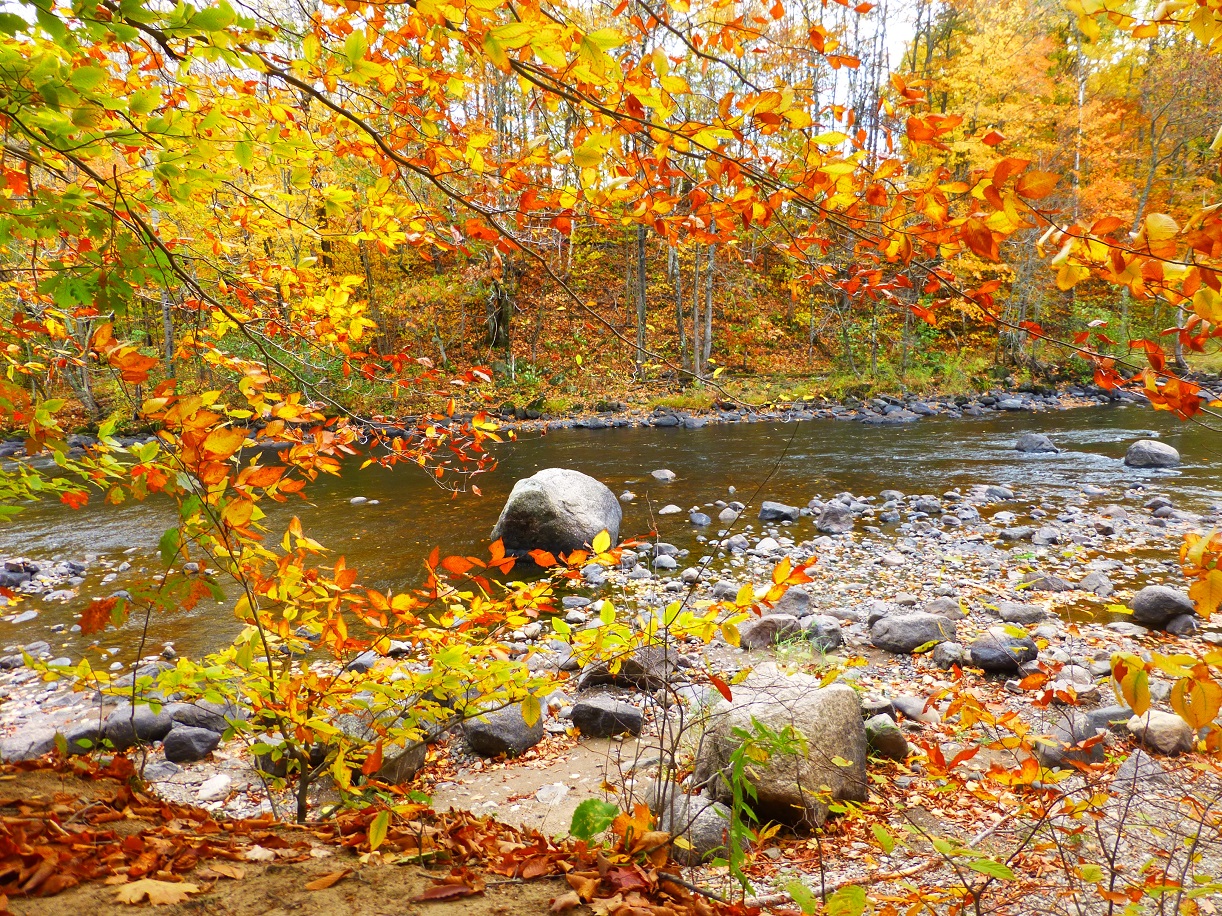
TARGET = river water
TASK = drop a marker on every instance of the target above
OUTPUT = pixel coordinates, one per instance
(790, 462)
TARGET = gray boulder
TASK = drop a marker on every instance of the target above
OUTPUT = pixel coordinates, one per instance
(946, 607)
(949, 654)
(762, 632)
(1150, 453)
(28, 744)
(885, 738)
(997, 652)
(1139, 771)
(701, 822)
(204, 714)
(823, 632)
(778, 512)
(503, 731)
(1155, 605)
(1064, 745)
(402, 758)
(1097, 583)
(126, 727)
(835, 519)
(795, 601)
(791, 787)
(184, 744)
(1163, 732)
(1035, 442)
(557, 510)
(904, 633)
(648, 668)
(605, 717)
(1022, 614)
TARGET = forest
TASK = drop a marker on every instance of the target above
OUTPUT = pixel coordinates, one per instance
(675, 457)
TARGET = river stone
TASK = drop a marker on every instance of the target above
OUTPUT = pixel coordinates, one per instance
(726, 589)
(1138, 771)
(823, 632)
(835, 519)
(1183, 625)
(1155, 605)
(123, 729)
(557, 510)
(778, 512)
(606, 717)
(1000, 653)
(1035, 442)
(1150, 453)
(1063, 746)
(1111, 718)
(701, 821)
(1097, 583)
(904, 633)
(503, 731)
(1162, 732)
(1043, 582)
(29, 743)
(949, 654)
(662, 475)
(1022, 614)
(184, 744)
(795, 601)
(204, 714)
(762, 632)
(788, 785)
(946, 607)
(727, 515)
(648, 668)
(669, 509)
(885, 738)
(699, 519)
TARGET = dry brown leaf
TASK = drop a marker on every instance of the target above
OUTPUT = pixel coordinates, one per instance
(605, 905)
(326, 881)
(224, 870)
(585, 885)
(565, 902)
(445, 892)
(159, 893)
(260, 854)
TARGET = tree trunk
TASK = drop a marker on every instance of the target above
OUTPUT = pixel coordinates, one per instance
(708, 308)
(640, 299)
(676, 275)
(696, 316)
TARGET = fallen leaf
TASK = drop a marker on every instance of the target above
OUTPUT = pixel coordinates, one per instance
(159, 893)
(444, 892)
(326, 881)
(259, 854)
(565, 902)
(225, 870)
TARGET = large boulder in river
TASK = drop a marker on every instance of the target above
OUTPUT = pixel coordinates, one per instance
(557, 510)
(1035, 442)
(1155, 605)
(1149, 453)
(793, 786)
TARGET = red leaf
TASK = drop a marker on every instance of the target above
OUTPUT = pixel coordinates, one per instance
(722, 687)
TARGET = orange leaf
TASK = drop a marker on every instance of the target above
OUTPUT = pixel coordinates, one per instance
(445, 892)
(1037, 185)
(326, 881)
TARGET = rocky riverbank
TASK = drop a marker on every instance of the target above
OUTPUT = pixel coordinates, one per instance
(912, 585)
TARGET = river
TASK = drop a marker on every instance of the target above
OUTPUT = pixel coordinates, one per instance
(790, 462)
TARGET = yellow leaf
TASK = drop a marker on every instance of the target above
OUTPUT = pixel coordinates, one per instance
(1160, 227)
(729, 633)
(591, 152)
(1206, 593)
(602, 541)
(1196, 701)
(159, 893)
(531, 710)
(1208, 305)
(745, 596)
